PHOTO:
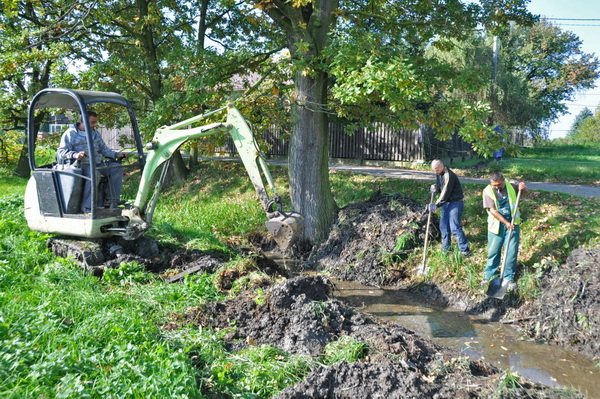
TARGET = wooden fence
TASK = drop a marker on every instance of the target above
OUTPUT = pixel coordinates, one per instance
(379, 143)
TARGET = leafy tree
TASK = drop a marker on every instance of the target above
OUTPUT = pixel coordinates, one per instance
(371, 54)
(550, 67)
(538, 70)
(36, 38)
(587, 130)
(583, 115)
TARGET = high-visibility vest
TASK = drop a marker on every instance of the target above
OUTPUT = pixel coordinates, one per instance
(493, 223)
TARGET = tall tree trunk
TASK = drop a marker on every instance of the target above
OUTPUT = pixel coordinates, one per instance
(22, 168)
(202, 26)
(309, 158)
(193, 155)
(151, 58)
(307, 28)
(178, 172)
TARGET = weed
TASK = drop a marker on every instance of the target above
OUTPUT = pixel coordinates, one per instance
(447, 367)
(261, 297)
(320, 311)
(406, 239)
(509, 381)
(345, 349)
(582, 320)
(128, 273)
(349, 267)
(388, 259)
(257, 371)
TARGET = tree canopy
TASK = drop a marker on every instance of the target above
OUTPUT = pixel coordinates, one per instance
(579, 118)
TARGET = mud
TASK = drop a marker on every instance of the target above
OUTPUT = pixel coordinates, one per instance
(94, 256)
(299, 317)
(568, 312)
(370, 239)
(366, 244)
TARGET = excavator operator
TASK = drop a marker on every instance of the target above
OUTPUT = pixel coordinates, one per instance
(74, 147)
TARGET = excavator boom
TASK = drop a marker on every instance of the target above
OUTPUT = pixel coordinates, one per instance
(52, 205)
(285, 227)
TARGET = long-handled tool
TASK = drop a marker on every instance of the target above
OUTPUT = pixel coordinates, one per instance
(498, 286)
(423, 269)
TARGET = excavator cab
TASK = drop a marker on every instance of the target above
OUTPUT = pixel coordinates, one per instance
(53, 197)
(54, 193)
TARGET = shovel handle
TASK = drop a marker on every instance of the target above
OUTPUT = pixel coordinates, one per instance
(427, 234)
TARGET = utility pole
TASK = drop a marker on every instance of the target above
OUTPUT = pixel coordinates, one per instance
(498, 153)
(495, 59)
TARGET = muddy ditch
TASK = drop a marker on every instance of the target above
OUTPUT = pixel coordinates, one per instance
(364, 246)
(300, 317)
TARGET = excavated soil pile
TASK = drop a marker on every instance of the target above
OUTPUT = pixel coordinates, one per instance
(370, 237)
(567, 312)
(298, 317)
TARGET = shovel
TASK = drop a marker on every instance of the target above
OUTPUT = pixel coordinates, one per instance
(497, 287)
(423, 269)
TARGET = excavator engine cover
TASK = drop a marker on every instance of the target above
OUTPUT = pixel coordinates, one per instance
(285, 228)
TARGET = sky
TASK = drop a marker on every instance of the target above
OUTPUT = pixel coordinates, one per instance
(582, 17)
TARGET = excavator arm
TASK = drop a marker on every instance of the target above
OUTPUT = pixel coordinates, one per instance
(284, 226)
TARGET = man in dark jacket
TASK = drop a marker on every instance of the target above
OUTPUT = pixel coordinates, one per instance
(451, 203)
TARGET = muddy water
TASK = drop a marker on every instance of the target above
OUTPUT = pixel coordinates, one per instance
(476, 337)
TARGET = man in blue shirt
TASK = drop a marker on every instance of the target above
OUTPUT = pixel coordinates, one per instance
(74, 146)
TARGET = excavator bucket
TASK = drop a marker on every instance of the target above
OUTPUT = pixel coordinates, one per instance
(285, 228)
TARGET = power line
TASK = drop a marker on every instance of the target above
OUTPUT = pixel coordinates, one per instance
(574, 19)
(575, 25)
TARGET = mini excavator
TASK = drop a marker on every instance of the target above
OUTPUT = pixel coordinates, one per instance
(53, 193)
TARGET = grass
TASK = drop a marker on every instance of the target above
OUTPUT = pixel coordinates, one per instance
(64, 334)
(560, 164)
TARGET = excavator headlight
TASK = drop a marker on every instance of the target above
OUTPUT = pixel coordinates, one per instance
(153, 145)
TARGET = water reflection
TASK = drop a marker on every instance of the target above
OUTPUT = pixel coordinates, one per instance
(476, 337)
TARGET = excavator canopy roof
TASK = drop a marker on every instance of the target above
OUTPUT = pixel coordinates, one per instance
(68, 98)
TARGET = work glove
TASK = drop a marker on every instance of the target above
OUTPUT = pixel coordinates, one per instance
(433, 189)
(431, 207)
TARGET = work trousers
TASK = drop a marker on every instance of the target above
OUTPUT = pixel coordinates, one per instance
(450, 219)
(114, 172)
(496, 244)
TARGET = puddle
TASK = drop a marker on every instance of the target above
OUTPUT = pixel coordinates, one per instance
(499, 344)
(476, 337)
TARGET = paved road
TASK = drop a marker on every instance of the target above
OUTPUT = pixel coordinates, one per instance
(573, 189)
(583, 191)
